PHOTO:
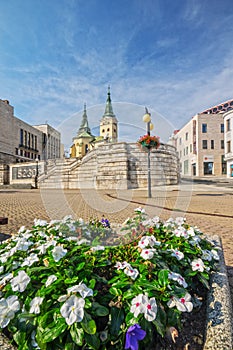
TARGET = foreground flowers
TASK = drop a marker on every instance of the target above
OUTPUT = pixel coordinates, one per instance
(73, 310)
(70, 284)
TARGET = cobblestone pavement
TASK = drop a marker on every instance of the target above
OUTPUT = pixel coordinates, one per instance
(208, 207)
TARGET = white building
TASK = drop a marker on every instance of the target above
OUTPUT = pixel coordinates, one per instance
(228, 126)
(200, 143)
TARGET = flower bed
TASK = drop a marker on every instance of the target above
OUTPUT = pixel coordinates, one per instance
(74, 285)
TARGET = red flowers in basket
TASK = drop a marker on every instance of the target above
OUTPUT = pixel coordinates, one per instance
(149, 142)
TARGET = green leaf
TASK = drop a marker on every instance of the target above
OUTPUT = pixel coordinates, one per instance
(19, 337)
(80, 266)
(163, 278)
(99, 310)
(115, 291)
(77, 334)
(92, 283)
(88, 324)
(204, 281)
(117, 317)
(92, 341)
(51, 333)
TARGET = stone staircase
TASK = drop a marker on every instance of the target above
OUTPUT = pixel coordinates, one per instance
(59, 174)
(113, 166)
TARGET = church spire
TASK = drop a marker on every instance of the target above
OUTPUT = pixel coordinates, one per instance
(108, 108)
(84, 127)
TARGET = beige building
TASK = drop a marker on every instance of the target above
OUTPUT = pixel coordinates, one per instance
(228, 126)
(200, 143)
(51, 143)
(21, 142)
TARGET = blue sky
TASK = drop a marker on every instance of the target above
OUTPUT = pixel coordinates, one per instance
(173, 56)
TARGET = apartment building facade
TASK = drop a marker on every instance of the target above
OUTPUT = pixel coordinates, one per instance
(21, 142)
(228, 126)
(200, 145)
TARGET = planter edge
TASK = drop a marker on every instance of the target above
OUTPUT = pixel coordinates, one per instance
(219, 326)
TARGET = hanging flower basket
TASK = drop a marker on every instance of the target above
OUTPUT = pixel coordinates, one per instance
(148, 142)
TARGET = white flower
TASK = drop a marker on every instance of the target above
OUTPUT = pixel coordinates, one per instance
(83, 290)
(38, 222)
(73, 309)
(8, 307)
(22, 229)
(140, 210)
(191, 232)
(183, 304)
(83, 241)
(148, 241)
(138, 304)
(35, 305)
(131, 272)
(121, 266)
(23, 245)
(179, 255)
(6, 278)
(179, 221)
(150, 310)
(58, 253)
(98, 247)
(177, 277)
(50, 280)
(142, 305)
(147, 253)
(62, 298)
(1, 269)
(180, 232)
(206, 255)
(67, 218)
(20, 282)
(197, 265)
(30, 260)
(215, 254)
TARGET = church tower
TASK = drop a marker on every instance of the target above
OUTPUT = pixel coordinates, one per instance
(81, 142)
(108, 122)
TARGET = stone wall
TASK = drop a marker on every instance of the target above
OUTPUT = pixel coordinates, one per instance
(121, 165)
(111, 166)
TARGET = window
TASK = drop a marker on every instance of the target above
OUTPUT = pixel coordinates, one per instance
(222, 128)
(186, 166)
(187, 150)
(21, 136)
(180, 140)
(186, 136)
(228, 146)
(208, 168)
(204, 144)
(191, 148)
(204, 128)
(25, 138)
(212, 144)
(228, 124)
(222, 144)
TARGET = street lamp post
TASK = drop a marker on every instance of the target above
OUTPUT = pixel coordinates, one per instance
(147, 120)
(37, 173)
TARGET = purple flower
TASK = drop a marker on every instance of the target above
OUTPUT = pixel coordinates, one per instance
(133, 335)
(105, 222)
